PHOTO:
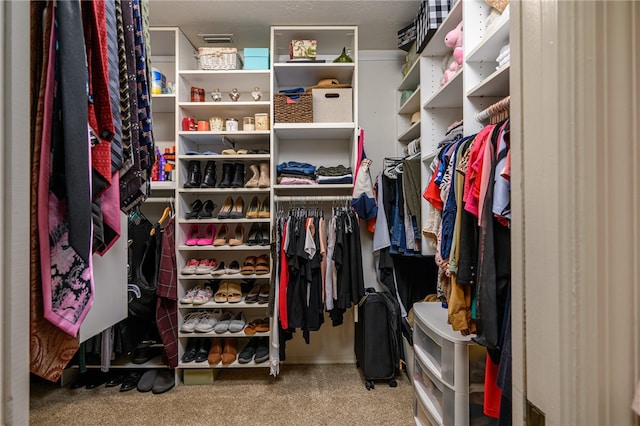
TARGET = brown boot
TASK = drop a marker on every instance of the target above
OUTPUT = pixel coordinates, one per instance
(253, 181)
(230, 350)
(264, 181)
(215, 353)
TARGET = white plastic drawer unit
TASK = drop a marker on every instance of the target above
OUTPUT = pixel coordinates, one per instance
(448, 355)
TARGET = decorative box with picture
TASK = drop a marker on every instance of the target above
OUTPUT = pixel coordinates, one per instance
(303, 49)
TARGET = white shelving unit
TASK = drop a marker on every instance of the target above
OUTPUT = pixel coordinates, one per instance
(176, 59)
(477, 85)
(320, 144)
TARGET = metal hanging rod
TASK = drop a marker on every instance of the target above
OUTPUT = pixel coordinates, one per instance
(501, 106)
(299, 198)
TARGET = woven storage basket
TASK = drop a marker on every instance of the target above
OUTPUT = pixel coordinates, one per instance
(298, 112)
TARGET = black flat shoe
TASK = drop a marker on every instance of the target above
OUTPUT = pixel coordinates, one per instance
(203, 351)
(165, 381)
(114, 379)
(96, 380)
(196, 208)
(130, 381)
(190, 353)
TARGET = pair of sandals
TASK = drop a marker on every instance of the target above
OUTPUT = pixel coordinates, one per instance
(260, 325)
(228, 293)
(258, 294)
(256, 265)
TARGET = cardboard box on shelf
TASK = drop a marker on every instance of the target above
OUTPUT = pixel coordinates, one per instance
(256, 58)
(332, 105)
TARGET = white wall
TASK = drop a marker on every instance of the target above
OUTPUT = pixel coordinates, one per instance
(379, 74)
(14, 208)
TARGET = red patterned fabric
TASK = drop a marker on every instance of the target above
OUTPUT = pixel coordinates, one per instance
(100, 116)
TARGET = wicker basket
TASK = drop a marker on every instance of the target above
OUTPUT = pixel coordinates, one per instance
(300, 111)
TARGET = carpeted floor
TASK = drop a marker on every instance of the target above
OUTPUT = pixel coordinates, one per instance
(301, 395)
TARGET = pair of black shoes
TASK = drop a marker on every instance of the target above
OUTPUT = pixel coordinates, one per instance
(258, 235)
(257, 350)
(200, 210)
(196, 179)
(197, 350)
(156, 381)
(92, 379)
(232, 175)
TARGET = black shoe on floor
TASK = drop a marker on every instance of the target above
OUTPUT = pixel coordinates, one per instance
(130, 381)
(114, 379)
(96, 380)
(145, 384)
(80, 382)
(165, 380)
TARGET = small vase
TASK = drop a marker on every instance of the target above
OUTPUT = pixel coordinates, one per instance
(257, 94)
(343, 56)
(216, 95)
(234, 94)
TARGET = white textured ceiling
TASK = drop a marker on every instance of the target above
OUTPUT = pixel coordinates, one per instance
(249, 20)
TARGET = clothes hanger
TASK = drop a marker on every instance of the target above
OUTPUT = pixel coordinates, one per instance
(165, 215)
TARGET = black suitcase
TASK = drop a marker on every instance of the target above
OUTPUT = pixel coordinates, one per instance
(377, 337)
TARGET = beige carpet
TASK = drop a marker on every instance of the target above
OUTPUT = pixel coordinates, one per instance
(301, 395)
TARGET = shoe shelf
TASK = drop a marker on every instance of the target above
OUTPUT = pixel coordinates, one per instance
(206, 147)
(241, 247)
(224, 190)
(222, 277)
(234, 364)
(216, 220)
(223, 157)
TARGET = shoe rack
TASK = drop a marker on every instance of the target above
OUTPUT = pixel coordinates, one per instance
(223, 209)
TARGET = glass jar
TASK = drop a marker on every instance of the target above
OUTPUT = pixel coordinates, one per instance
(262, 121)
(216, 124)
(231, 125)
(248, 123)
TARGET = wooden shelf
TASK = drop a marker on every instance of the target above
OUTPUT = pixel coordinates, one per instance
(411, 133)
(314, 131)
(496, 84)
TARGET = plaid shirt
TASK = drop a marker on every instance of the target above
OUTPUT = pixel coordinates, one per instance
(167, 291)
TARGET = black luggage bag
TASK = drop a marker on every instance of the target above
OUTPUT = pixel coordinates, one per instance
(378, 337)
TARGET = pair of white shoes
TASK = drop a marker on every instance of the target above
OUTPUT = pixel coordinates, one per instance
(201, 321)
(197, 296)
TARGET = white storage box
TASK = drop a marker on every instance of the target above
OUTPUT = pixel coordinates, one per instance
(332, 105)
(442, 347)
(219, 58)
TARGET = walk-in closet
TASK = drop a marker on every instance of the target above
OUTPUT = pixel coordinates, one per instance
(317, 212)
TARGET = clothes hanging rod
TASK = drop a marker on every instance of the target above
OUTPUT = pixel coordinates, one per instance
(297, 198)
(498, 107)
